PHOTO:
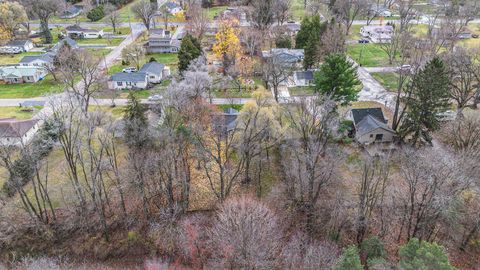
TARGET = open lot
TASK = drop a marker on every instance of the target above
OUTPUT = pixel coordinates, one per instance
(12, 59)
(18, 112)
(368, 55)
(28, 90)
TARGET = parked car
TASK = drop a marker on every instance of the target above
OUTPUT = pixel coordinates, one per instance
(404, 68)
(129, 70)
(363, 41)
(446, 116)
(475, 36)
(155, 98)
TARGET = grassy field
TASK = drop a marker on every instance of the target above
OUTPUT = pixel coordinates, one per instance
(116, 111)
(388, 80)
(301, 91)
(100, 41)
(125, 13)
(12, 59)
(28, 90)
(18, 112)
(215, 11)
(120, 30)
(368, 55)
(169, 59)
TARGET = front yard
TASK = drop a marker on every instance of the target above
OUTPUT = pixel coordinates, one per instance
(100, 41)
(169, 59)
(389, 80)
(29, 90)
(18, 112)
(301, 91)
(368, 55)
(13, 59)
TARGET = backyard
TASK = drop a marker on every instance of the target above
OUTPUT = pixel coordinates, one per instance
(18, 112)
(169, 59)
(28, 90)
(368, 55)
(12, 59)
(389, 80)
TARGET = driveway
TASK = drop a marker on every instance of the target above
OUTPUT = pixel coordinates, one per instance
(373, 91)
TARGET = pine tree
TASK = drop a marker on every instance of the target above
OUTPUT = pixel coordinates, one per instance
(136, 122)
(338, 79)
(423, 255)
(309, 38)
(190, 49)
(426, 97)
(350, 260)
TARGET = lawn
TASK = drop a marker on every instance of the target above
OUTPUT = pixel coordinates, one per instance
(297, 9)
(18, 112)
(12, 59)
(125, 14)
(388, 80)
(354, 33)
(28, 90)
(169, 59)
(117, 111)
(368, 55)
(120, 30)
(215, 11)
(301, 91)
(100, 41)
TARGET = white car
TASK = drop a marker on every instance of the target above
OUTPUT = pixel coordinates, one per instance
(155, 98)
(129, 70)
(404, 68)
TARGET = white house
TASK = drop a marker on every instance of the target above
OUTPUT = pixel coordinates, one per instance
(371, 126)
(77, 32)
(22, 74)
(377, 33)
(173, 7)
(155, 71)
(24, 45)
(17, 132)
(41, 60)
(123, 80)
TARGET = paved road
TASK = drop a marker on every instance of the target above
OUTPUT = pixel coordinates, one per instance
(380, 69)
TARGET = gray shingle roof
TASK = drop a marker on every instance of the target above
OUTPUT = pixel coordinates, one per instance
(18, 42)
(11, 127)
(30, 58)
(359, 114)
(129, 77)
(153, 67)
(370, 123)
(304, 75)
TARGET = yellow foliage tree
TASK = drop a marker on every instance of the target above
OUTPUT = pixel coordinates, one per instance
(11, 14)
(227, 46)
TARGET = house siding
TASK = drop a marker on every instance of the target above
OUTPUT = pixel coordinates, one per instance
(369, 138)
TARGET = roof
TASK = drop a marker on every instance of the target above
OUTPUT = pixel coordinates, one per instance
(304, 75)
(370, 123)
(287, 55)
(11, 127)
(359, 114)
(43, 57)
(153, 67)
(172, 5)
(129, 77)
(158, 33)
(73, 9)
(72, 43)
(377, 28)
(18, 71)
(18, 42)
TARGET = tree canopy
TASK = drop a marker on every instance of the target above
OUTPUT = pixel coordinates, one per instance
(423, 255)
(190, 49)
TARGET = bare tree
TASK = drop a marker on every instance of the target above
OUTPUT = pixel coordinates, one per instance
(275, 72)
(464, 72)
(281, 9)
(348, 10)
(113, 16)
(81, 64)
(263, 13)
(134, 54)
(333, 40)
(309, 163)
(246, 235)
(144, 10)
(43, 10)
(251, 39)
(197, 20)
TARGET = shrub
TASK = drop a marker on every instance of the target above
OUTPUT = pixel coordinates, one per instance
(349, 260)
(96, 14)
(423, 255)
(372, 247)
(283, 42)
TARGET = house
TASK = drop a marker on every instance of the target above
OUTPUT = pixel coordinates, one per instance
(290, 56)
(380, 10)
(72, 12)
(64, 42)
(77, 32)
(225, 122)
(155, 71)
(173, 7)
(235, 13)
(17, 132)
(22, 74)
(370, 126)
(40, 60)
(24, 45)
(162, 41)
(303, 78)
(377, 33)
(123, 80)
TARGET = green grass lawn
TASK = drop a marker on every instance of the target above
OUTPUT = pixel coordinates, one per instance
(169, 59)
(28, 90)
(215, 11)
(297, 9)
(100, 41)
(301, 91)
(120, 30)
(388, 80)
(18, 112)
(368, 55)
(12, 59)
(125, 14)
(354, 33)
(116, 111)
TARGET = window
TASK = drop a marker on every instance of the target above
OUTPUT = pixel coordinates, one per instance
(379, 137)
(119, 83)
(152, 77)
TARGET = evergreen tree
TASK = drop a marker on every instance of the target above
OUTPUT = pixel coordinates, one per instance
(309, 38)
(283, 42)
(190, 49)
(136, 122)
(349, 260)
(423, 255)
(338, 79)
(426, 97)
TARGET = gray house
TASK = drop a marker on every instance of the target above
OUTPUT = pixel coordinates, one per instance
(162, 41)
(290, 56)
(23, 45)
(155, 71)
(41, 60)
(72, 12)
(371, 126)
(123, 80)
(303, 78)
